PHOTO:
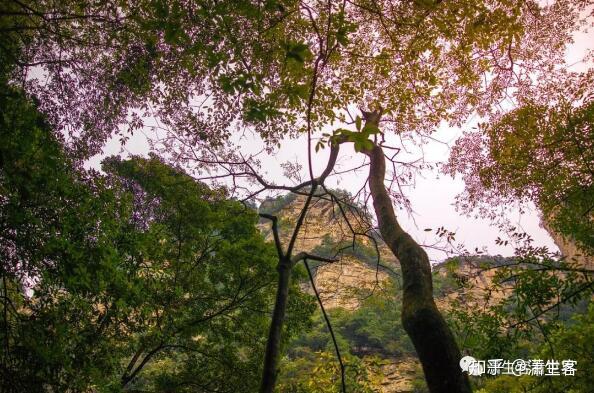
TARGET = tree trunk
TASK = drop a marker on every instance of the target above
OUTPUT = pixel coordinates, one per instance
(433, 340)
(273, 344)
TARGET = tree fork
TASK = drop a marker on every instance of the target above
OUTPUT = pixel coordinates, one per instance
(434, 342)
(285, 267)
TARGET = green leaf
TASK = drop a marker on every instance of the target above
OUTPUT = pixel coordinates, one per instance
(320, 145)
(370, 129)
(367, 144)
(297, 51)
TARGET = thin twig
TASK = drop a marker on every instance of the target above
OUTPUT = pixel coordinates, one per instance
(313, 285)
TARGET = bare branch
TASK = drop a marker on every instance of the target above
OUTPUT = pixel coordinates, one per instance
(277, 242)
(313, 285)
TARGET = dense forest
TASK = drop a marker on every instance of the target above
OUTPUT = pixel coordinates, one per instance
(214, 262)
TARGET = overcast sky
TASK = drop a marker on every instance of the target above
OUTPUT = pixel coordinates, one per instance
(432, 197)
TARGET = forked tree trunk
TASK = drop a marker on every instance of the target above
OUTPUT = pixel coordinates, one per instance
(434, 342)
(285, 266)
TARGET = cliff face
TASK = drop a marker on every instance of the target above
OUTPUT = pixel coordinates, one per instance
(568, 248)
(362, 296)
(472, 286)
(326, 232)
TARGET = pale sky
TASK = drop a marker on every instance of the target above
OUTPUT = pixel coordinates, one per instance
(432, 197)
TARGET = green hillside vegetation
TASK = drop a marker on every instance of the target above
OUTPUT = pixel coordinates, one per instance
(368, 337)
(518, 326)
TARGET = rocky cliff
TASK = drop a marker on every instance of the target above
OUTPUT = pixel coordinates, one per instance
(569, 249)
(327, 232)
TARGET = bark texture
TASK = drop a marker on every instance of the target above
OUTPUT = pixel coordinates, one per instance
(273, 345)
(434, 342)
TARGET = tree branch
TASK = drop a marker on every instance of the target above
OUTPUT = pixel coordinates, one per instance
(329, 325)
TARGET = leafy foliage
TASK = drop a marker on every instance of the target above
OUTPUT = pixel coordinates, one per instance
(104, 274)
(539, 154)
(318, 372)
(572, 341)
(117, 254)
(532, 298)
(372, 330)
(279, 66)
(63, 240)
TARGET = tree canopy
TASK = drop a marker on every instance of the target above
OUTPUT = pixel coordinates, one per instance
(535, 153)
(280, 67)
(106, 275)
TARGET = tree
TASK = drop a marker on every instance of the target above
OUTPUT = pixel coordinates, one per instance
(536, 153)
(540, 153)
(208, 279)
(530, 301)
(282, 68)
(60, 259)
(105, 275)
